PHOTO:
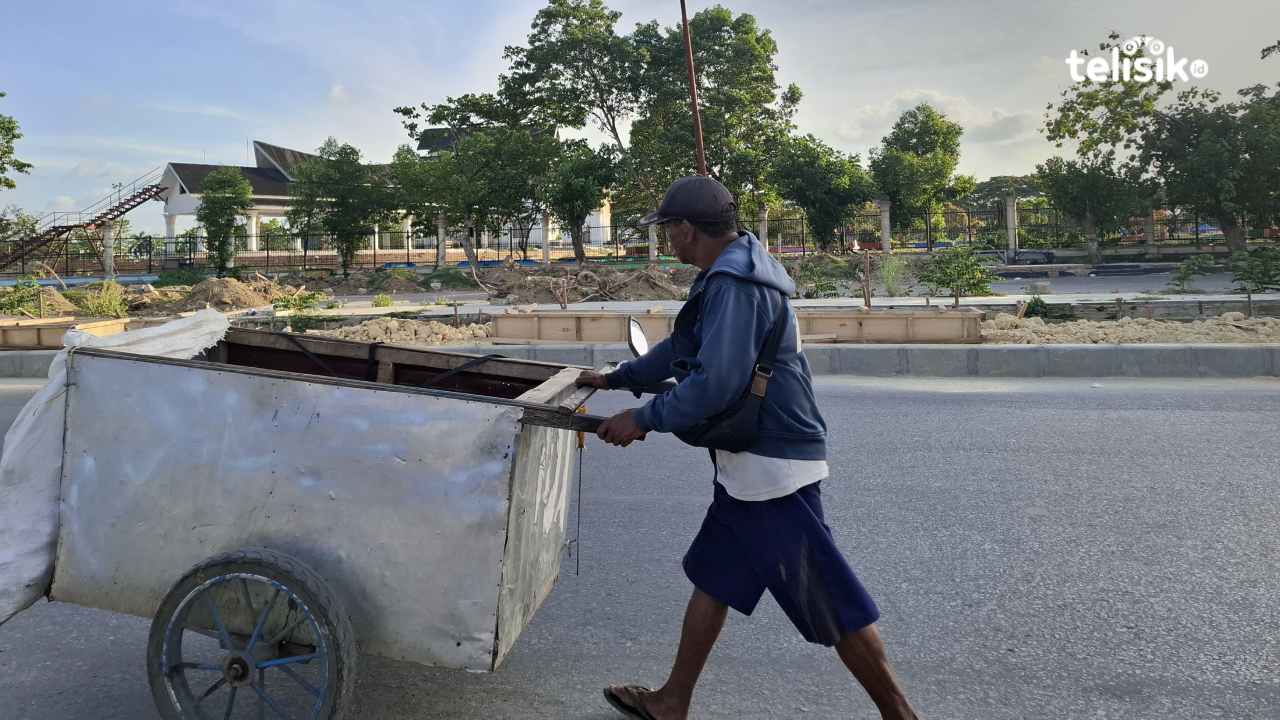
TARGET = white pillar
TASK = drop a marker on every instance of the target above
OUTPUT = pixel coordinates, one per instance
(546, 238)
(251, 226)
(170, 233)
(406, 231)
(440, 244)
(762, 219)
(1011, 224)
(377, 239)
(109, 249)
(653, 243)
(1149, 231)
(886, 229)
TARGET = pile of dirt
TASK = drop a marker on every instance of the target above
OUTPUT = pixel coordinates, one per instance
(28, 302)
(55, 304)
(145, 298)
(222, 294)
(408, 332)
(1228, 328)
(563, 286)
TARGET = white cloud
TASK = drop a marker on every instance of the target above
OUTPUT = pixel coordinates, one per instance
(212, 111)
(338, 93)
(866, 125)
(64, 203)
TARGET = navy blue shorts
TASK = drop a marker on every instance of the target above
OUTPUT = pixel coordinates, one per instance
(784, 546)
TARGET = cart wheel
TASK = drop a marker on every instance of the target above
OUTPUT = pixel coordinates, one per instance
(251, 634)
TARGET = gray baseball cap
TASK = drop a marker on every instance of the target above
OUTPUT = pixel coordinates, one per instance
(697, 198)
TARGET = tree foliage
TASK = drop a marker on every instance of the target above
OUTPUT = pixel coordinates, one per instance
(823, 182)
(225, 196)
(576, 187)
(1094, 193)
(1220, 158)
(1256, 270)
(915, 163)
(9, 134)
(338, 194)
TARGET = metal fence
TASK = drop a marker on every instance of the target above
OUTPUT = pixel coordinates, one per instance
(1039, 226)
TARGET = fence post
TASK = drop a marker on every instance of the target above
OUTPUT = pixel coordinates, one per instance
(886, 228)
(305, 243)
(762, 224)
(546, 238)
(151, 246)
(1011, 224)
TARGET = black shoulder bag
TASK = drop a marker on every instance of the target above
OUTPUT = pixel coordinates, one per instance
(738, 427)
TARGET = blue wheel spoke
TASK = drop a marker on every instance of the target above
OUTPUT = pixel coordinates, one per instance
(279, 662)
(225, 637)
(212, 689)
(262, 620)
(298, 679)
(288, 629)
(244, 588)
(231, 704)
(262, 695)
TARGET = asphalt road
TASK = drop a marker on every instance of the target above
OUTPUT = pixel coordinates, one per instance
(1039, 549)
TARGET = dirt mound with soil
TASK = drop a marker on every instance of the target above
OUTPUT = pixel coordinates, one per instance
(1229, 328)
(55, 304)
(564, 286)
(222, 294)
(408, 332)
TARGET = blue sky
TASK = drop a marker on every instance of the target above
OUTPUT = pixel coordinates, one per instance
(106, 91)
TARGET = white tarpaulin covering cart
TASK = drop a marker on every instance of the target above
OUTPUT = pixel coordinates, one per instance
(282, 498)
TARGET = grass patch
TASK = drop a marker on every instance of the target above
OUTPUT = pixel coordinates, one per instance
(104, 300)
(185, 276)
(382, 300)
(299, 302)
(450, 279)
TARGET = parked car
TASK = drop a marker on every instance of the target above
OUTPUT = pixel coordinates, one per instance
(1021, 257)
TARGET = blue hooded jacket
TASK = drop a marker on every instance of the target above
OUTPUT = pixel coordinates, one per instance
(712, 356)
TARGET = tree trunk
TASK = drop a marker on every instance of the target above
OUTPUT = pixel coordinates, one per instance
(957, 300)
(469, 247)
(579, 249)
(1235, 235)
(1091, 238)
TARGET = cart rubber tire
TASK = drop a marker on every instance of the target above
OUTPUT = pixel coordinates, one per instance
(293, 574)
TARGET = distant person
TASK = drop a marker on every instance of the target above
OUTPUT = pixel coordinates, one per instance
(765, 528)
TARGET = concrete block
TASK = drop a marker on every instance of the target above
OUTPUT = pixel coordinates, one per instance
(821, 358)
(1231, 360)
(1011, 360)
(873, 360)
(1155, 360)
(563, 354)
(1082, 361)
(10, 363)
(35, 363)
(941, 361)
(519, 352)
(1274, 350)
(610, 354)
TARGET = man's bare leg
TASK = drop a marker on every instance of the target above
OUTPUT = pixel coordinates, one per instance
(703, 620)
(863, 653)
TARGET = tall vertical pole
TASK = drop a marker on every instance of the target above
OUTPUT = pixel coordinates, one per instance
(693, 91)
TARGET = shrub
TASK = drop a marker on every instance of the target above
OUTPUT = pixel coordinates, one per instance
(382, 300)
(299, 302)
(892, 274)
(106, 300)
(958, 271)
(1187, 270)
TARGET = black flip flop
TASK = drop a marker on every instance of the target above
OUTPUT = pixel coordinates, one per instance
(631, 711)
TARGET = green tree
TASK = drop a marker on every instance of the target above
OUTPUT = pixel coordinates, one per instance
(990, 193)
(1220, 157)
(225, 196)
(341, 196)
(822, 181)
(577, 185)
(746, 115)
(17, 223)
(915, 165)
(9, 162)
(576, 68)
(957, 270)
(1188, 270)
(274, 235)
(1256, 271)
(1094, 194)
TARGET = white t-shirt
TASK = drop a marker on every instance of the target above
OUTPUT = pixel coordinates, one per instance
(747, 476)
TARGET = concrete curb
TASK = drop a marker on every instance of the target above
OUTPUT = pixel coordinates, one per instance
(996, 361)
(1137, 360)
(26, 363)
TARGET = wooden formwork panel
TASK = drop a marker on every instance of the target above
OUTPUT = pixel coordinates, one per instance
(841, 326)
